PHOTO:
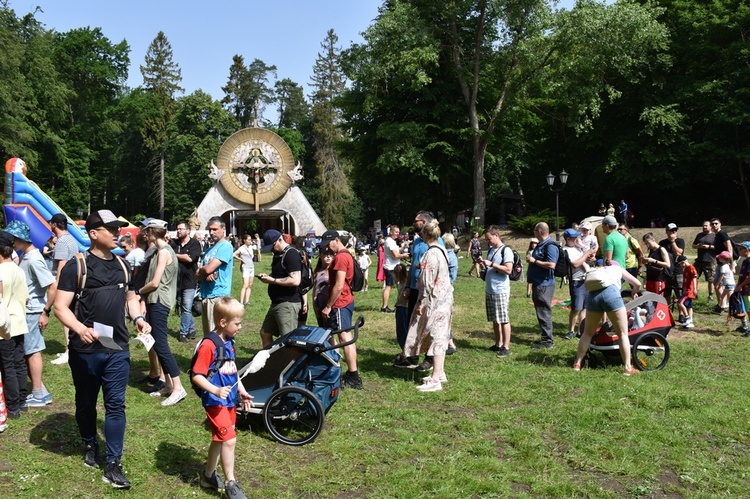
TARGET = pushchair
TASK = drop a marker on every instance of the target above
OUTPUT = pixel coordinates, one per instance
(649, 322)
(295, 380)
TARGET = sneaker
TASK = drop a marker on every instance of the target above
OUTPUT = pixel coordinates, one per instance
(710, 298)
(160, 393)
(114, 476)
(406, 362)
(387, 310)
(182, 338)
(443, 379)
(148, 380)
(541, 344)
(32, 401)
(494, 348)
(430, 386)
(688, 324)
(630, 371)
(156, 387)
(211, 482)
(91, 455)
(348, 381)
(741, 329)
(15, 414)
(191, 335)
(716, 309)
(681, 320)
(234, 491)
(60, 360)
(747, 334)
(424, 367)
(174, 399)
(451, 350)
(570, 335)
(503, 352)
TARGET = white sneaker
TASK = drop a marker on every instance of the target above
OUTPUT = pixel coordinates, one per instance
(688, 325)
(60, 360)
(443, 379)
(430, 386)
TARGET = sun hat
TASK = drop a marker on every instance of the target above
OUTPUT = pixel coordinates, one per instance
(19, 230)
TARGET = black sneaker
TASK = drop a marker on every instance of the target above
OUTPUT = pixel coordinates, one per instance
(148, 380)
(424, 367)
(91, 455)
(570, 335)
(182, 339)
(494, 348)
(159, 385)
(503, 352)
(541, 344)
(211, 482)
(742, 329)
(387, 310)
(234, 491)
(114, 476)
(14, 414)
(191, 335)
(348, 381)
(406, 362)
(716, 309)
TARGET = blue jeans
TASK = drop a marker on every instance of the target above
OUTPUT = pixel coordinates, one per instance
(108, 371)
(187, 322)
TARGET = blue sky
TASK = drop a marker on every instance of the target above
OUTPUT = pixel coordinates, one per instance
(205, 35)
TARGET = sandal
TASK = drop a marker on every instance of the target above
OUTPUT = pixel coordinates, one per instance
(576, 367)
(630, 370)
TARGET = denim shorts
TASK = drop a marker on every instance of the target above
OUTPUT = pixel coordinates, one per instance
(604, 300)
(578, 294)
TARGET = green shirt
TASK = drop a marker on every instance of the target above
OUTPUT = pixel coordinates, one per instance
(618, 245)
(166, 293)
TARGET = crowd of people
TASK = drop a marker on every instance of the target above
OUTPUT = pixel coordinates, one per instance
(94, 292)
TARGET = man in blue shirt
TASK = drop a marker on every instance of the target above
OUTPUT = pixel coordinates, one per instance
(541, 275)
(216, 273)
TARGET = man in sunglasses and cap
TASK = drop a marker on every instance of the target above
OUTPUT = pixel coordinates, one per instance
(94, 309)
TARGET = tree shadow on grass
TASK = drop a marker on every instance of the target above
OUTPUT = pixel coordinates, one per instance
(57, 433)
(179, 461)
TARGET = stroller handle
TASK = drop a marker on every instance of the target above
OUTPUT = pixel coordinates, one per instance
(357, 324)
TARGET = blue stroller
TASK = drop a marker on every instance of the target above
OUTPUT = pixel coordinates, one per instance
(295, 381)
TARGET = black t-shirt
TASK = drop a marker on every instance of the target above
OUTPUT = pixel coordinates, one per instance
(186, 270)
(705, 255)
(105, 306)
(720, 240)
(667, 245)
(655, 272)
(292, 263)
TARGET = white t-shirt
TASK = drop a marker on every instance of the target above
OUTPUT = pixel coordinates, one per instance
(390, 261)
(497, 282)
(135, 258)
(574, 253)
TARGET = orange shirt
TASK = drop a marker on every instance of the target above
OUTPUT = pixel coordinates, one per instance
(342, 261)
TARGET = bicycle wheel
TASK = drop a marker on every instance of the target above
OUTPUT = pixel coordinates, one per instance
(293, 415)
(650, 352)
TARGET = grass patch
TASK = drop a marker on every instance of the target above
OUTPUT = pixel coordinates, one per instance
(526, 425)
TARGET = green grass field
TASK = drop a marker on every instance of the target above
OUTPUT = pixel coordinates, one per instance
(523, 426)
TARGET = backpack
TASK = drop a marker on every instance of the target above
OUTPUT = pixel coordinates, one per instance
(517, 270)
(221, 358)
(737, 308)
(735, 250)
(82, 273)
(306, 277)
(563, 267)
(358, 280)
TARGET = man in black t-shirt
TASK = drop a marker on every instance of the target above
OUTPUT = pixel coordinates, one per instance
(283, 287)
(722, 242)
(675, 246)
(187, 250)
(99, 357)
(705, 263)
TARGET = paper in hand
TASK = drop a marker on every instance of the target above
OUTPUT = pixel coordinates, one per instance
(106, 336)
(146, 339)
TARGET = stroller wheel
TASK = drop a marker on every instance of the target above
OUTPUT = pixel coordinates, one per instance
(650, 352)
(293, 415)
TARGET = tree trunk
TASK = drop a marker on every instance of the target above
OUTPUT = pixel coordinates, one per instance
(480, 200)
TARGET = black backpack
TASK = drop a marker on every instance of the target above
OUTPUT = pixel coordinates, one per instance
(736, 306)
(219, 361)
(517, 270)
(306, 277)
(563, 267)
(358, 280)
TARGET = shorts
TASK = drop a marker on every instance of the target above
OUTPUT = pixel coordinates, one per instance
(248, 271)
(686, 302)
(604, 300)
(727, 287)
(705, 268)
(341, 318)
(497, 306)
(281, 318)
(390, 277)
(222, 420)
(33, 341)
(578, 295)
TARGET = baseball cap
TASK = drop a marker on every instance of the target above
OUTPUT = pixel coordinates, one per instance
(569, 233)
(155, 223)
(724, 254)
(146, 221)
(58, 218)
(327, 237)
(6, 239)
(672, 226)
(609, 220)
(585, 225)
(269, 239)
(103, 218)
(745, 244)
(20, 230)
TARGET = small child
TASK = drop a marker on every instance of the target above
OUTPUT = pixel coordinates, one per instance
(364, 263)
(402, 310)
(725, 278)
(533, 243)
(744, 284)
(220, 397)
(689, 287)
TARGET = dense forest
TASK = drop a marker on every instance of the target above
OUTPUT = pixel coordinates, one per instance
(452, 105)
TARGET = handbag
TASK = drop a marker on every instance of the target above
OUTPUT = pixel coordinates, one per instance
(197, 308)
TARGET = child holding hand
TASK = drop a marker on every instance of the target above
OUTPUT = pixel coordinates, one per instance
(222, 390)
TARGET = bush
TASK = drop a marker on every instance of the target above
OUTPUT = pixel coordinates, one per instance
(526, 223)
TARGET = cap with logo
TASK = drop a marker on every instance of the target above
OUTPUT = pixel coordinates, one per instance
(327, 237)
(103, 218)
(672, 227)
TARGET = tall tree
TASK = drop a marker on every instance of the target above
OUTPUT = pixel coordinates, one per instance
(293, 109)
(335, 193)
(248, 89)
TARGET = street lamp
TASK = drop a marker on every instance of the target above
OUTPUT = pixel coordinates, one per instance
(551, 184)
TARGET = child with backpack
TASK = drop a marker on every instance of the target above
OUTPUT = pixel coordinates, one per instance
(689, 288)
(214, 372)
(743, 285)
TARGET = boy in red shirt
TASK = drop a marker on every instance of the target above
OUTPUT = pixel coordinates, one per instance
(220, 396)
(689, 287)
